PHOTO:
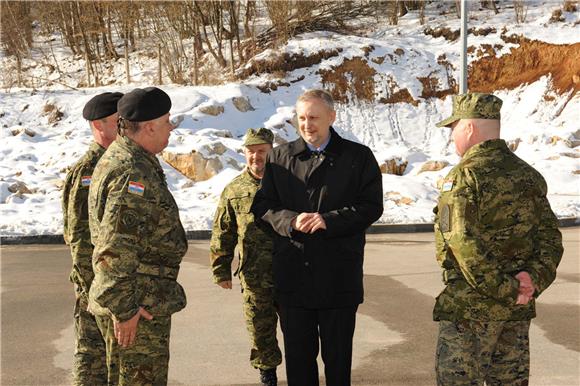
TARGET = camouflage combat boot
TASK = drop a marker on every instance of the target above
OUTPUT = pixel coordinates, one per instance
(268, 377)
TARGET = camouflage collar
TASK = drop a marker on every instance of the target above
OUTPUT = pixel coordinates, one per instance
(138, 152)
(96, 149)
(246, 174)
(492, 144)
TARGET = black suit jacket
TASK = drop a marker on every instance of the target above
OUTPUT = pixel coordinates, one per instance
(344, 184)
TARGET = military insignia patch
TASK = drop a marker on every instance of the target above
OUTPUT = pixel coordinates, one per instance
(447, 185)
(445, 218)
(128, 221)
(136, 188)
(86, 180)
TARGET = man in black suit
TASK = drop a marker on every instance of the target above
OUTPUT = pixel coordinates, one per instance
(319, 194)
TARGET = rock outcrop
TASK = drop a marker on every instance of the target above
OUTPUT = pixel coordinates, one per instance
(433, 166)
(395, 166)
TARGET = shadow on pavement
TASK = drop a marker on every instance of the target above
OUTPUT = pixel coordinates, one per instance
(408, 312)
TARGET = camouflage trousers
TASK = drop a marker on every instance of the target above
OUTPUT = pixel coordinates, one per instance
(262, 323)
(146, 361)
(89, 365)
(473, 352)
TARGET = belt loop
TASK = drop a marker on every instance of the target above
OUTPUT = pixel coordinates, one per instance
(161, 270)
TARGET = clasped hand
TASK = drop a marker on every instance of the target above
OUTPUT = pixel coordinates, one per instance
(308, 222)
(125, 332)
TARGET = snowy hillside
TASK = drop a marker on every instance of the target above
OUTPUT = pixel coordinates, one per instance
(392, 86)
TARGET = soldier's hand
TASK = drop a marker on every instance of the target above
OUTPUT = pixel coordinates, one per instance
(125, 332)
(526, 284)
(227, 284)
(526, 289)
(523, 299)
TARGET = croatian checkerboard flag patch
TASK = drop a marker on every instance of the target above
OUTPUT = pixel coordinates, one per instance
(86, 180)
(136, 188)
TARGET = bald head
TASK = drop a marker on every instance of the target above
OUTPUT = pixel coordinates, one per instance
(470, 132)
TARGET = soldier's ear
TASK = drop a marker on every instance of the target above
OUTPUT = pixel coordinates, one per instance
(97, 125)
(470, 130)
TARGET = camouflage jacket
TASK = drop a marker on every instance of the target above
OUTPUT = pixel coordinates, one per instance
(76, 217)
(138, 237)
(492, 221)
(234, 226)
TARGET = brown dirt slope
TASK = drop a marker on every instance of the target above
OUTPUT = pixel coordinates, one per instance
(353, 76)
(526, 64)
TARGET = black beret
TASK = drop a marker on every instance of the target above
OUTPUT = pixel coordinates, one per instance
(101, 106)
(144, 104)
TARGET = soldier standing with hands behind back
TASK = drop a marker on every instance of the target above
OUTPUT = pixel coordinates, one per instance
(233, 226)
(498, 243)
(90, 367)
(139, 244)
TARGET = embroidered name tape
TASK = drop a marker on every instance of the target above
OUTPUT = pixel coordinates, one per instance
(136, 188)
(86, 180)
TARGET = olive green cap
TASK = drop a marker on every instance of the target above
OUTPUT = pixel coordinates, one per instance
(258, 137)
(473, 106)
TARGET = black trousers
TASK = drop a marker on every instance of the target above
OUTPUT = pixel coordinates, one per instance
(304, 331)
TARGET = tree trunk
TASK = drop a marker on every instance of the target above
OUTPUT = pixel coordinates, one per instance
(88, 69)
(232, 67)
(422, 12)
(196, 39)
(19, 69)
(159, 64)
(112, 49)
(127, 60)
(88, 52)
(217, 55)
(195, 66)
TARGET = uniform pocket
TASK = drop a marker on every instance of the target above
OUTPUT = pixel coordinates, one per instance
(242, 203)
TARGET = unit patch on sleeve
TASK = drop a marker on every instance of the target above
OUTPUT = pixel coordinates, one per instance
(136, 188)
(128, 221)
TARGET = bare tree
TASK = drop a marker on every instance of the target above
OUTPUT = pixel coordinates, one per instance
(489, 4)
(211, 15)
(279, 13)
(521, 10)
(421, 11)
(16, 32)
(312, 16)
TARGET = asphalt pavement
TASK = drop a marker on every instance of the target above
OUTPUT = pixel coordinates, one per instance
(394, 341)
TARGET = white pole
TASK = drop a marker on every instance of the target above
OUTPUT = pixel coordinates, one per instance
(463, 65)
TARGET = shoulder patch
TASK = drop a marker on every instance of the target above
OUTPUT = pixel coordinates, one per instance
(136, 188)
(447, 185)
(86, 180)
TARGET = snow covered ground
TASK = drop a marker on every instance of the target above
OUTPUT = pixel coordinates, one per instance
(390, 130)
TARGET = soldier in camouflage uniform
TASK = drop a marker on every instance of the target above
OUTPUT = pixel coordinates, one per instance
(498, 243)
(89, 367)
(234, 226)
(139, 244)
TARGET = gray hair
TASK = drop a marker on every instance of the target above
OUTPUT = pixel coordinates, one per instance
(319, 94)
